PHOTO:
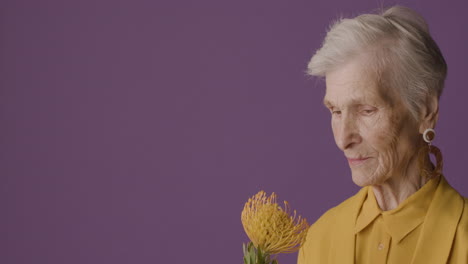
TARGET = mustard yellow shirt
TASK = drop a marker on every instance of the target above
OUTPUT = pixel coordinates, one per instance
(348, 233)
(391, 236)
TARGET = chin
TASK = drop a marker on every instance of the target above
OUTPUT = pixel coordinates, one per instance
(360, 181)
(363, 179)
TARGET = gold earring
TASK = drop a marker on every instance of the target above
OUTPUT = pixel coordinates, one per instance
(424, 152)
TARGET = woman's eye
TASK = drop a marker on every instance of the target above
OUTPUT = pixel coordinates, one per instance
(336, 112)
(368, 111)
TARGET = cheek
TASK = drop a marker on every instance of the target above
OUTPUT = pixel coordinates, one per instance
(380, 135)
(384, 138)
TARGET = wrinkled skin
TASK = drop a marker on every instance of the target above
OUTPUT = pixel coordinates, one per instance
(376, 132)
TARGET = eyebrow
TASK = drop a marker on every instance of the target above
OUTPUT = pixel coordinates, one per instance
(354, 101)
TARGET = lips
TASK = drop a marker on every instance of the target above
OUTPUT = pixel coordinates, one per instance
(356, 161)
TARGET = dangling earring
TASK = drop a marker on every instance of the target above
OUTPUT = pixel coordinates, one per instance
(424, 152)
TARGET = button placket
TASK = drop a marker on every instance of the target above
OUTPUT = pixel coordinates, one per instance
(381, 246)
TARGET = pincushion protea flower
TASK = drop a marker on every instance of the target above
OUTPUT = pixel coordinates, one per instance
(271, 228)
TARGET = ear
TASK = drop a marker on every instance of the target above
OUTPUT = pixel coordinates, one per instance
(429, 114)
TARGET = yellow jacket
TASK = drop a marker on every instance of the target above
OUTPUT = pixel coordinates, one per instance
(443, 238)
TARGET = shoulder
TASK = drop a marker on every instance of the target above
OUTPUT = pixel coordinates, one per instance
(454, 204)
(463, 224)
(462, 229)
(320, 234)
(459, 252)
(329, 218)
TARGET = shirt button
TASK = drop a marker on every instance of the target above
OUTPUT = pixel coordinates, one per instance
(381, 246)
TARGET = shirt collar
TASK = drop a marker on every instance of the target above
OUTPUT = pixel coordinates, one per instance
(402, 220)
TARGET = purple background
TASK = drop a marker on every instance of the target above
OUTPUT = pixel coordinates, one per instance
(134, 131)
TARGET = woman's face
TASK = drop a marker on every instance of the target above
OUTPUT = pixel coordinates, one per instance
(370, 125)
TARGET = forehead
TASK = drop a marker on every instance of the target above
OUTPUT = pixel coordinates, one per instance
(352, 82)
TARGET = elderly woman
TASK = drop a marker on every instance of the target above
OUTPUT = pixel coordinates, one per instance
(384, 76)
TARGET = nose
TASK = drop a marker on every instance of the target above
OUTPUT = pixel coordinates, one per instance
(346, 132)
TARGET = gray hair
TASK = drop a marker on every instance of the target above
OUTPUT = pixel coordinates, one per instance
(403, 54)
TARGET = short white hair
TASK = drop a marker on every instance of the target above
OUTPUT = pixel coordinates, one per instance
(403, 54)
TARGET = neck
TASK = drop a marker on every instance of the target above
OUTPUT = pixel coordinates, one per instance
(399, 186)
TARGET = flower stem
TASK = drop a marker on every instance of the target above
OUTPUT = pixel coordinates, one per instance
(254, 255)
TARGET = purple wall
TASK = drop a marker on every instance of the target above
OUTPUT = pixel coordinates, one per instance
(134, 131)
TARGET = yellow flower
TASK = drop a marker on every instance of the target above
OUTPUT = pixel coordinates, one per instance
(271, 227)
